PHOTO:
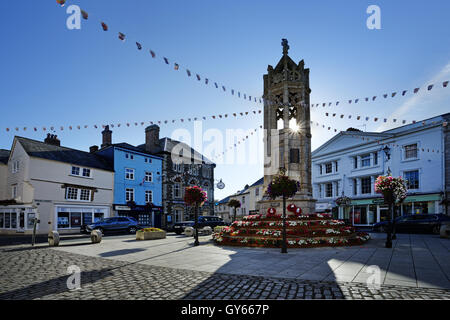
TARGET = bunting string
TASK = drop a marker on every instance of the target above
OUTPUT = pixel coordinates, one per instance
(377, 119)
(137, 123)
(240, 94)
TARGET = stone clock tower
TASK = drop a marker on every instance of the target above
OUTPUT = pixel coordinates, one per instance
(287, 131)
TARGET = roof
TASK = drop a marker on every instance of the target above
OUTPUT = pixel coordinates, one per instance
(43, 150)
(130, 147)
(224, 200)
(258, 183)
(4, 156)
(167, 145)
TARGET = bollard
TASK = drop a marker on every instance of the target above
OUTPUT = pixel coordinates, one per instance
(189, 231)
(207, 230)
(53, 238)
(96, 236)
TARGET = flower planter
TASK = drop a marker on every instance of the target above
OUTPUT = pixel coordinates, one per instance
(150, 235)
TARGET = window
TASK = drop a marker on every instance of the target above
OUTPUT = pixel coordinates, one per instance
(243, 199)
(320, 191)
(129, 174)
(148, 196)
(176, 190)
(294, 155)
(365, 160)
(336, 190)
(76, 171)
(86, 172)
(148, 176)
(71, 193)
(85, 194)
(335, 166)
(129, 194)
(131, 157)
(355, 187)
(328, 167)
(14, 192)
(329, 190)
(375, 158)
(355, 162)
(148, 160)
(412, 179)
(15, 167)
(320, 169)
(366, 185)
(411, 151)
(257, 192)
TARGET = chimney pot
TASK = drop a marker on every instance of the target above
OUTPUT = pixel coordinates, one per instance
(106, 137)
(93, 149)
(152, 139)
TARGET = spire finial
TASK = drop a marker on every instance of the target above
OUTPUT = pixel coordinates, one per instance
(285, 45)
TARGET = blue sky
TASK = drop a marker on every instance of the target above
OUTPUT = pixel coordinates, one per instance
(52, 76)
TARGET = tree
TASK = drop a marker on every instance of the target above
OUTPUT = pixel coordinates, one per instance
(233, 203)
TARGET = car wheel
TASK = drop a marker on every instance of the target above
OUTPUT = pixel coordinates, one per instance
(132, 230)
(436, 229)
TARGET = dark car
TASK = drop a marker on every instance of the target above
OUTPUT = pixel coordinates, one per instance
(415, 223)
(203, 221)
(114, 224)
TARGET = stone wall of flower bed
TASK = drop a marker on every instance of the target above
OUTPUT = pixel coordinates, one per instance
(315, 230)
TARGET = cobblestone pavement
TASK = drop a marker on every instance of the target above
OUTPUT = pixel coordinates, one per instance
(41, 273)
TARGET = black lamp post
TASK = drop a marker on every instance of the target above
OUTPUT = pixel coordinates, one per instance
(283, 245)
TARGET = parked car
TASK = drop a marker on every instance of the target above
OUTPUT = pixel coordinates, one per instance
(114, 224)
(203, 221)
(415, 223)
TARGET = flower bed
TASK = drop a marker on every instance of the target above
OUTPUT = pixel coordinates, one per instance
(316, 230)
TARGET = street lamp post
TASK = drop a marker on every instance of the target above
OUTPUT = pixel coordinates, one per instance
(283, 245)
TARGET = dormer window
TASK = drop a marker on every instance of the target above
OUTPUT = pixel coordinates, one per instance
(86, 172)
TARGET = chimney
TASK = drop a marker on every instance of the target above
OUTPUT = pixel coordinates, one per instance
(93, 149)
(106, 137)
(52, 139)
(152, 139)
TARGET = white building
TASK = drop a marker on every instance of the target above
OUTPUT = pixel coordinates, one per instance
(350, 162)
(62, 187)
(248, 197)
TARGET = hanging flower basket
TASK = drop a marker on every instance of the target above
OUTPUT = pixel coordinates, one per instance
(194, 196)
(282, 186)
(343, 201)
(392, 189)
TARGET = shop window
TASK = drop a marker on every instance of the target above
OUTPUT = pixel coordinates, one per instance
(98, 216)
(1, 219)
(63, 220)
(360, 215)
(87, 217)
(407, 209)
(412, 179)
(424, 207)
(30, 217)
(372, 214)
(75, 219)
(366, 185)
(13, 220)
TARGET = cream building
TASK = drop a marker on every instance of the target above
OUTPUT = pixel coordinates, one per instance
(62, 187)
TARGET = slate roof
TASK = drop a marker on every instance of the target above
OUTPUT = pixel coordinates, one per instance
(4, 156)
(167, 144)
(130, 147)
(257, 183)
(43, 150)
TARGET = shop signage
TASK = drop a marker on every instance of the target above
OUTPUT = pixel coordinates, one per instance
(123, 208)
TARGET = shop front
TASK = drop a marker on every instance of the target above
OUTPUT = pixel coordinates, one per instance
(17, 219)
(147, 216)
(366, 212)
(70, 218)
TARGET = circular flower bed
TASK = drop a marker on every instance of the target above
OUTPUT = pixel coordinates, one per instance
(313, 230)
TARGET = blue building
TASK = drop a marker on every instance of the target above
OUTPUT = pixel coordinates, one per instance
(137, 181)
